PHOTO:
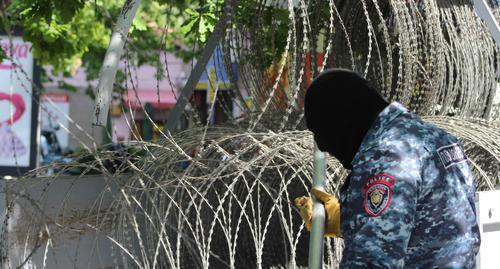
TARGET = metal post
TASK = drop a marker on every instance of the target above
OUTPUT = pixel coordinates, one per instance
(195, 75)
(198, 69)
(484, 12)
(111, 60)
(318, 219)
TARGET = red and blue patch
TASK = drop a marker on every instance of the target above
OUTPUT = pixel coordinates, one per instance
(378, 193)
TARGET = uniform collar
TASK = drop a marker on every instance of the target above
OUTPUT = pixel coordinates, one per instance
(383, 119)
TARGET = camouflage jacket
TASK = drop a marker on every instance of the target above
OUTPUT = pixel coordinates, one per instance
(409, 200)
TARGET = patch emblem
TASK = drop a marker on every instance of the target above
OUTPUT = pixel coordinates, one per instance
(378, 193)
(451, 154)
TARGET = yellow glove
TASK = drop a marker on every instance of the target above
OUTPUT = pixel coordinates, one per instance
(305, 206)
(332, 209)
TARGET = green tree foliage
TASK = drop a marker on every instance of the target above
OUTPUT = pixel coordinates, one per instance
(67, 34)
(60, 33)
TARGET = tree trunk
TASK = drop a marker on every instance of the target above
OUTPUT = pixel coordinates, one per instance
(111, 60)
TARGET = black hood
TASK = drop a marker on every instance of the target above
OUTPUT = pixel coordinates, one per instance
(340, 107)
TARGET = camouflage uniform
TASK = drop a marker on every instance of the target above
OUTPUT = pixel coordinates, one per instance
(409, 201)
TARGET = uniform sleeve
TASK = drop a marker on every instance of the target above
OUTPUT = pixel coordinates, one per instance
(379, 210)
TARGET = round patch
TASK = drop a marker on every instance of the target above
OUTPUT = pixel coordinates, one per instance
(378, 193)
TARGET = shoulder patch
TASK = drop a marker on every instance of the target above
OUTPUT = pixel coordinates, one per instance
(451, 154)
(378, 193)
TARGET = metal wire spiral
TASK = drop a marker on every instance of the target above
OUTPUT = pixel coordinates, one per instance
(220, 197)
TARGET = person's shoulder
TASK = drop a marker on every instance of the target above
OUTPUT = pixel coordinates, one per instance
(405, 133)
(414, 132)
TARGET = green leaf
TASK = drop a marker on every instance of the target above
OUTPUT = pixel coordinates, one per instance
(139, 24)
(207, 24)
(188, 26)
(68, 9)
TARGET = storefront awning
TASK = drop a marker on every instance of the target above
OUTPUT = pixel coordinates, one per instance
(158, 99)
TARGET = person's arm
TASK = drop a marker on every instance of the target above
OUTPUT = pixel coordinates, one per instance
(379, 211)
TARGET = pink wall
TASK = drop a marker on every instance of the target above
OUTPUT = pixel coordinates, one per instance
(142, 78)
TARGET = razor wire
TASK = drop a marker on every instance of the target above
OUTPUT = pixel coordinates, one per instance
(220, 197)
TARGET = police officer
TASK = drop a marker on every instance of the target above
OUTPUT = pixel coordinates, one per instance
(409, 199)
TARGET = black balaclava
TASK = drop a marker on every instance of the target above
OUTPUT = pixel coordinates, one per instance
(340, 107)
